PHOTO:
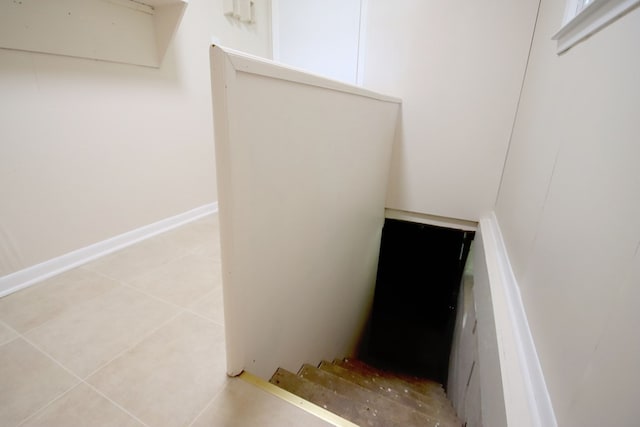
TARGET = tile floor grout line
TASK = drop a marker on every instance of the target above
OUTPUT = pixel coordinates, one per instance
(24, 338)
(197, 251)
(159, 299)
(119, 284)
(123, 284)
(116, 404)
(147, 294)
(72, 306)
(179, 307)
(41, 350)
(12, 329)
(149, 271)
(47, 405)
(157, 267)
(106, 276)
(190, 311)
(81, 380)
(56, 362)
(10, 340)
(136, 343)
(209, 403)
(152, 269)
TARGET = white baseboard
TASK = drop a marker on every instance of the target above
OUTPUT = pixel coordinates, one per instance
(527, 400)
(36, 273)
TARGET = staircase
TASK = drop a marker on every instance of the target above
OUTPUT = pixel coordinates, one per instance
(368, 396)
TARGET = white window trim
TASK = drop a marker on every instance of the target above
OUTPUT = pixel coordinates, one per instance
(582, 21)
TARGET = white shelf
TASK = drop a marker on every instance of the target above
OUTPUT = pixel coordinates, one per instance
(123, 31)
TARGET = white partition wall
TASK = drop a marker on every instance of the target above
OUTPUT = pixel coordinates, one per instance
(459, 67)
(322, 36)
(302, 166)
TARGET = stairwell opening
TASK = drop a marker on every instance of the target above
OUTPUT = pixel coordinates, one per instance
(413, 317)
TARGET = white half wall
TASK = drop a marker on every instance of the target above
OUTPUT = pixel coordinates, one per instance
(458, 67)
(302, 173)
(90, 150)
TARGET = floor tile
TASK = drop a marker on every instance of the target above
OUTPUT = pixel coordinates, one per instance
(33, 306)
(181, 281)
(28, 381)
(243, 405)
(6, 334)
(211, 306)
(91, 334)
(82, 406)
(138, 259)
(169, 378)
(194, 235)
(210, 249)
(212, 220)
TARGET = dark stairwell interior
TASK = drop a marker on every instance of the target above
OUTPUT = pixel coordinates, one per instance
(417, 286)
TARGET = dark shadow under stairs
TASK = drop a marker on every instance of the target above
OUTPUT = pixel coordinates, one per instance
(368, 396)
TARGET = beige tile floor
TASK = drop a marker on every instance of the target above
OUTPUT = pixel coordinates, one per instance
(135, 338)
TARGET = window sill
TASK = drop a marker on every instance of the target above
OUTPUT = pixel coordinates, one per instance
(591, 19)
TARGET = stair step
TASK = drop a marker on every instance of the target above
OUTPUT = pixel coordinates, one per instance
(370, 397)
(363, 415)
(395, 390)
(400, 413)
(420, 386)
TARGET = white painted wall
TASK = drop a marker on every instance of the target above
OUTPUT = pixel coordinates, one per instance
(321, 36)
(90, 149)
(302, 172)
(569, 211)
(463, 381)
(458, 66)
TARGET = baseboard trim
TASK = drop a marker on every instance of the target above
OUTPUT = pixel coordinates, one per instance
(525, 390)
(23, 278)
(297, 401)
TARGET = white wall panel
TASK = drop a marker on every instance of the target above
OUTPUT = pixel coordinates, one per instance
(302, 174)
(321, 36)
(458, 67)
(570, 214)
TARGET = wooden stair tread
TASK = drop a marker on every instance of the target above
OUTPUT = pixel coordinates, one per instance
(363, 415)
(400, 413)
(408, 397)
(425, 390)
(370, 397)
(419, 385)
